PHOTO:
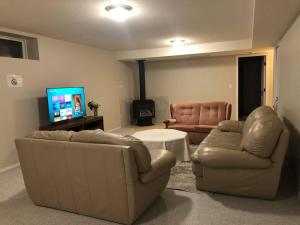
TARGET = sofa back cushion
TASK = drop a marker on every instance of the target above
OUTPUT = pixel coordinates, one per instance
(58, 135)
(186, 113)
(262, 136)
(211, 113)
(142, 155)
(88, 179)
(258, 113)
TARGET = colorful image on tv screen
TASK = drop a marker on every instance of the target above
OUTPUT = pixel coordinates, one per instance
(66, 103)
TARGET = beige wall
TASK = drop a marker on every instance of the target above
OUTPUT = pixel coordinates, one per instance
(289, 88)
(106, 80)
(199, 79)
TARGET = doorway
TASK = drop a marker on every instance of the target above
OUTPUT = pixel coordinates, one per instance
(251, 84)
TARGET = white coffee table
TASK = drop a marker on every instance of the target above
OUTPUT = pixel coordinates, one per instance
(169, 139)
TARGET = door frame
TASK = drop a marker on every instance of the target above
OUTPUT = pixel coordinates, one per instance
(266, 55)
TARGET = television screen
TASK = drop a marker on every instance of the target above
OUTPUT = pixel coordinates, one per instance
(66, 103)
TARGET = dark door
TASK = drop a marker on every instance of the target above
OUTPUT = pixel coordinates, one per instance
(251, 84)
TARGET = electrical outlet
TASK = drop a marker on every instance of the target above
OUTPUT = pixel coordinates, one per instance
(14, 80)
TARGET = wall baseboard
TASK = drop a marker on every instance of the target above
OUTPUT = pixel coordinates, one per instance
(114, 129)
(9, 167)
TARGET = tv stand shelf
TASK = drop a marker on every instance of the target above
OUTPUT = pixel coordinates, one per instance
(85, 123)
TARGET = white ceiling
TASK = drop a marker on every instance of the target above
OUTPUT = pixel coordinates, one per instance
(158, 21)
(200, 21)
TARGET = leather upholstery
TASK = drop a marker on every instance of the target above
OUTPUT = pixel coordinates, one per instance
(211, 113)
(59, 135)
(216, 157)
(261, 138)
(244, 160)
(198, 119)
(142, 154)
(161, 162)
(186, 113)
(231, 126)
(98, 180)
(228, 140)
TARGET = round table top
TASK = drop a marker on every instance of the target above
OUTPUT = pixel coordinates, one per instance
(160, 135)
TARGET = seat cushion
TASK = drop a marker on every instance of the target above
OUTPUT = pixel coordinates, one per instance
(142, 155)
(182, 127)
(261, 138)
(223, 158)
(192, 128)
(59, 135)
(204, 128)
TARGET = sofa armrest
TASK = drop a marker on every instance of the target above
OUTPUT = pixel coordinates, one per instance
(214, 157)
(169, 122)
(231, 126)
(161, 163)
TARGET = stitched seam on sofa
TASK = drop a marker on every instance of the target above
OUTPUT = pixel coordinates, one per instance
(69, 177)
(37, 171)
(126, 187)
(86, 177)
(57, 193)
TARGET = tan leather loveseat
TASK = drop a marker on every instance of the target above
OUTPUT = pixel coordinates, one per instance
(198, 119)
(243, 158)
(115, 180)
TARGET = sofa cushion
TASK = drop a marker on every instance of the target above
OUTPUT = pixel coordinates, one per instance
(214, 157)
(58, 135)
(231, 126)
(186, 113)
(141, 152)
(261, 138)
(258, 113)
(211, 113)
(182, 127)
(217, 138)
(204, 128)
(192, 128)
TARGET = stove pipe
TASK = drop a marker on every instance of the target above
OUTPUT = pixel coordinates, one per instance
(141, 64)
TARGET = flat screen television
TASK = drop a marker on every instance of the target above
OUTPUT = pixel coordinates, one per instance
(66, 103)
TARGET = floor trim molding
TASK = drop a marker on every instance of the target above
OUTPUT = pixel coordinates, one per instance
(114, 129)
(9, 167)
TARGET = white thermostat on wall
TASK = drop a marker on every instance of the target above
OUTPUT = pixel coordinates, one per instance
(14, 80)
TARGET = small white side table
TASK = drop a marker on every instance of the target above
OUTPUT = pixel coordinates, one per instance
(169, 139)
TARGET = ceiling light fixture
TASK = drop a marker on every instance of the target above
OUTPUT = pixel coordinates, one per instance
(177, 42)
(119, 12)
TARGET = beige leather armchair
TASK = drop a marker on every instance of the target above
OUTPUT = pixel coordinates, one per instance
(243, 158)
(74, 172)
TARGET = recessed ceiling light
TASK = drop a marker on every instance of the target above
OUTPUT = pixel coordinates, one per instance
(119, 12)
(177, 42)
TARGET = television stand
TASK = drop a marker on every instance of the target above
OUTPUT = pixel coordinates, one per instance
(84, 123)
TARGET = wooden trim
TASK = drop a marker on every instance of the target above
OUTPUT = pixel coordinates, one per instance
(9, 167)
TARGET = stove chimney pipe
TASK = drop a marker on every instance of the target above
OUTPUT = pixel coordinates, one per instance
(141, 64)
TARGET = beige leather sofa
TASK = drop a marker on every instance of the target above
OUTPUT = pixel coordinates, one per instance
(116, 180)
(197, 119)
(243, 158)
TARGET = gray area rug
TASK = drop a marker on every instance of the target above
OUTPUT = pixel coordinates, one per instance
(182, 177)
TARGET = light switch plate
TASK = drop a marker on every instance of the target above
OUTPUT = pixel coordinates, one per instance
(14, 80)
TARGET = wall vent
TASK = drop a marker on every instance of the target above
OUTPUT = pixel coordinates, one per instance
(18, 46)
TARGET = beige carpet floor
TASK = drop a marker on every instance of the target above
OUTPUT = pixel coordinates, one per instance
(173, 207)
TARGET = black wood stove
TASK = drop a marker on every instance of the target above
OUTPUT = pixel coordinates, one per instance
(143, 109)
